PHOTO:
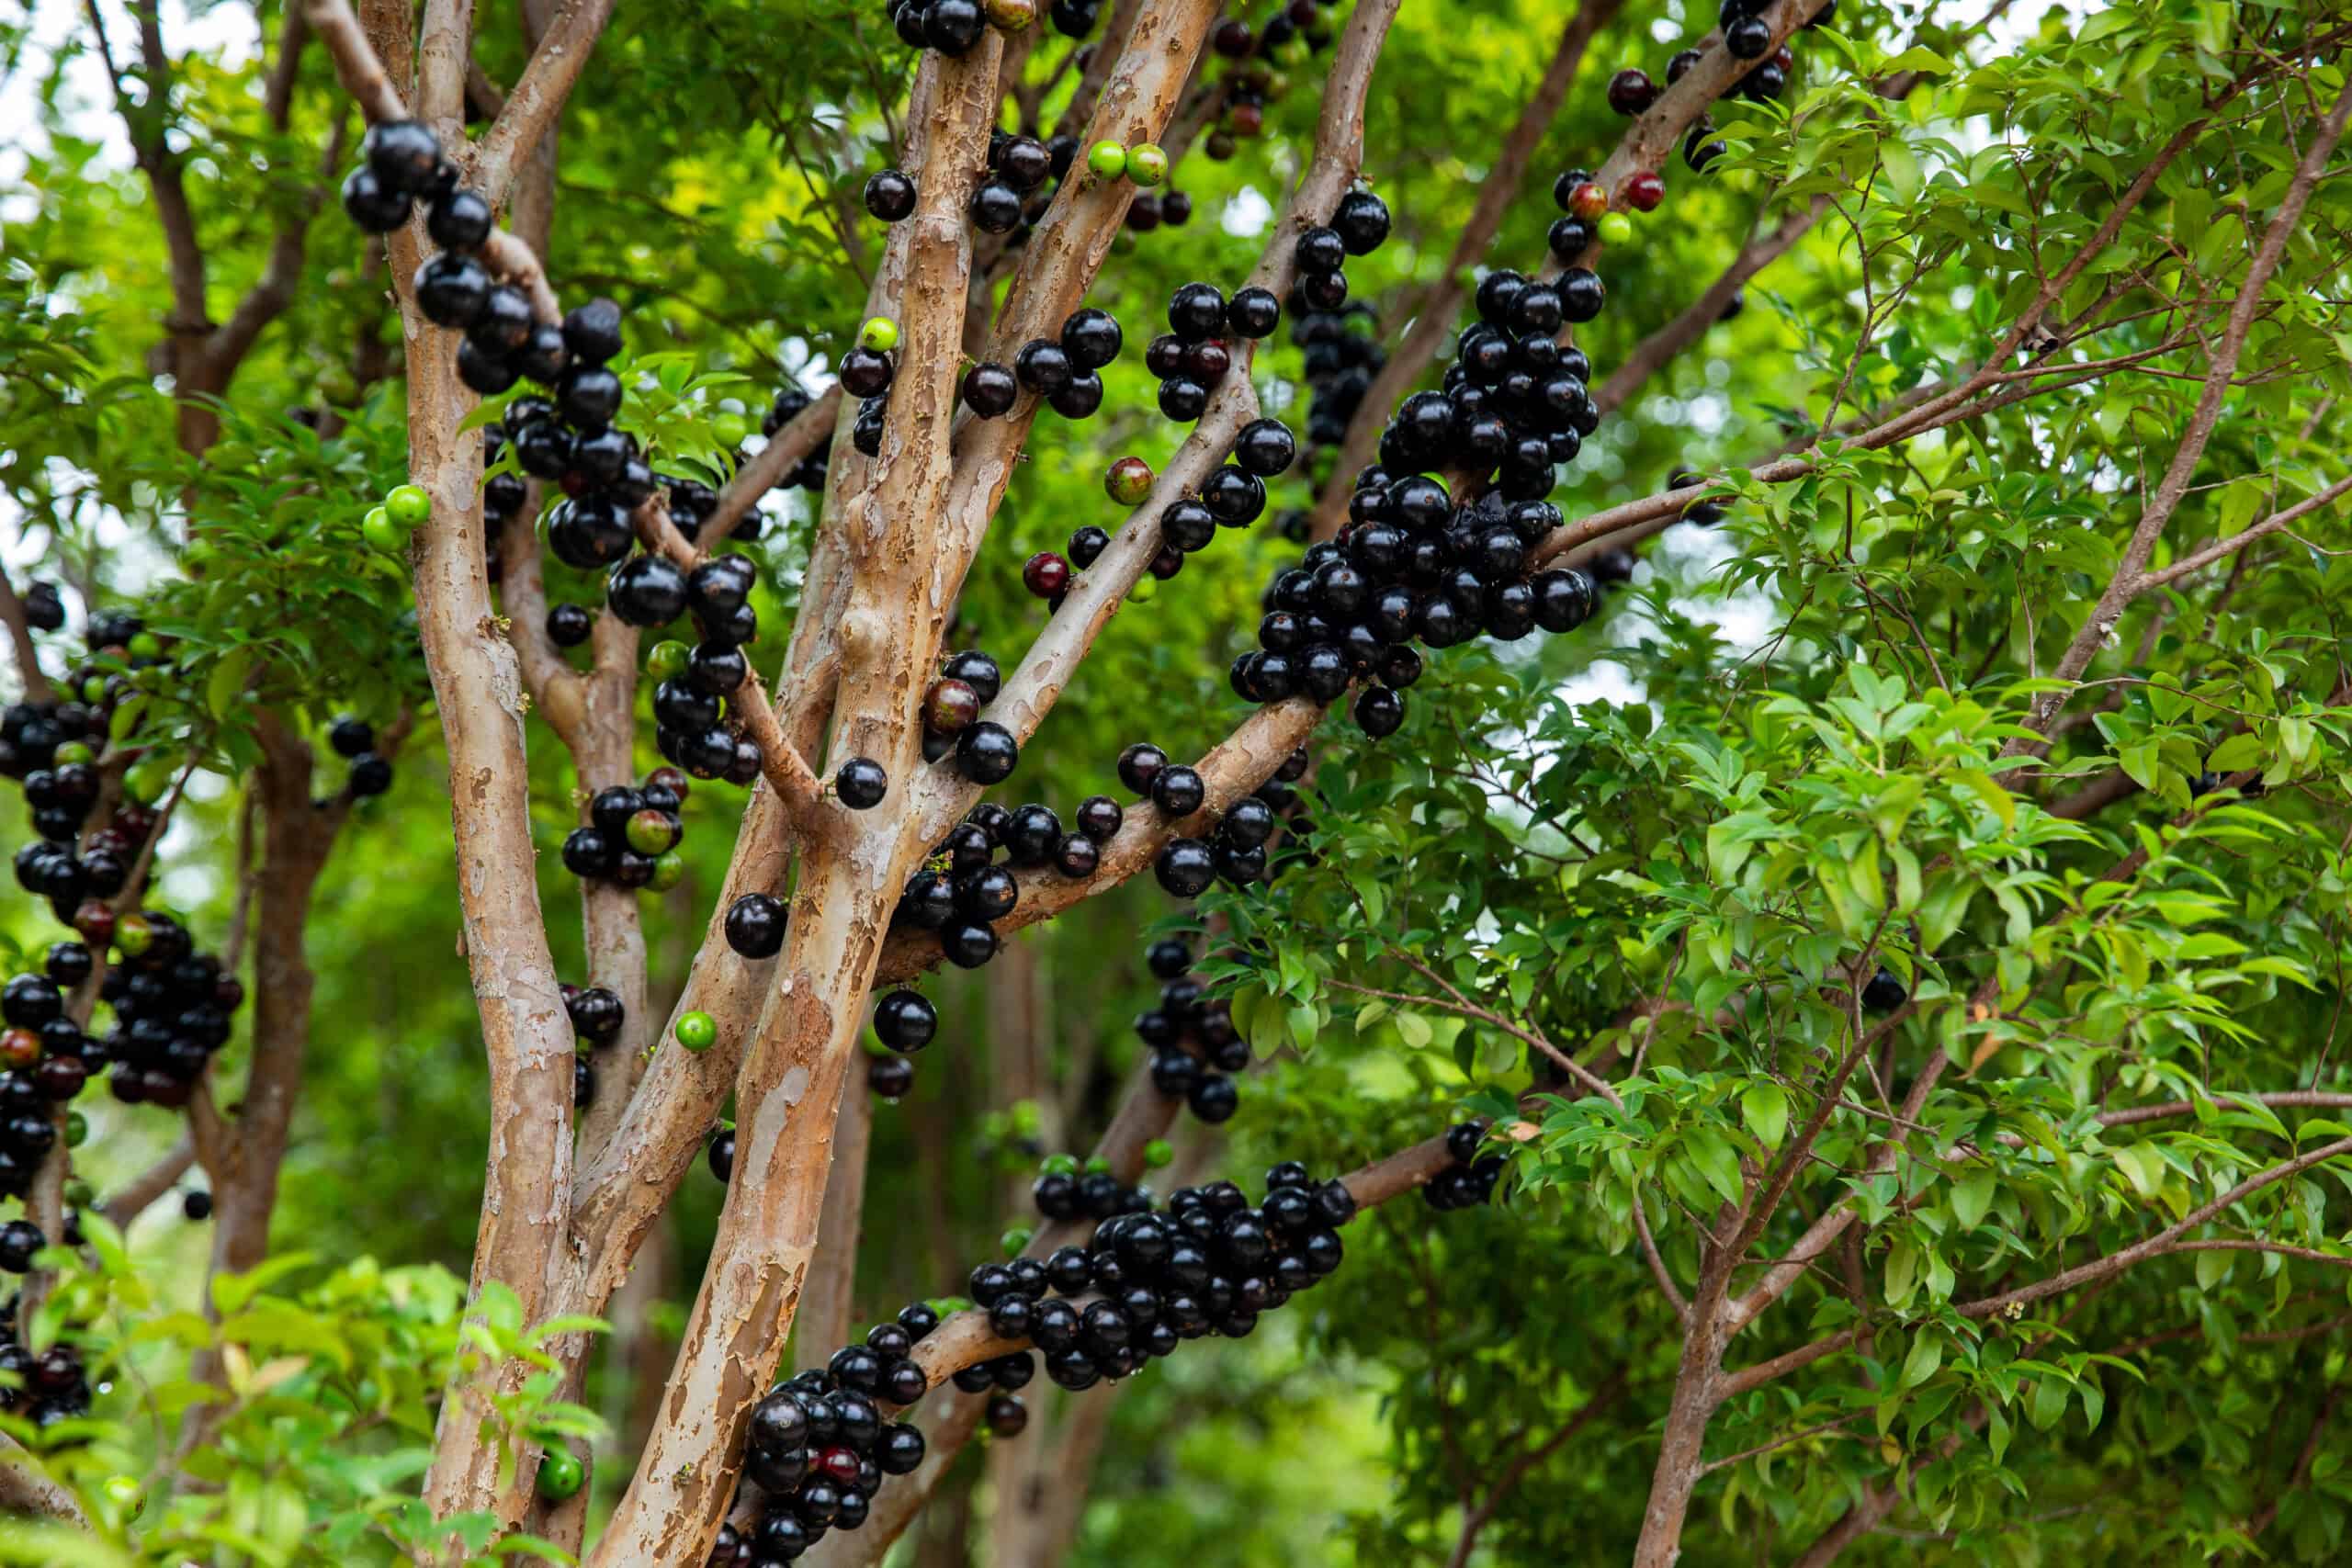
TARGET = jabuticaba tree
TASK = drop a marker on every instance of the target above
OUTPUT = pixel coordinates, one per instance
(1674, 678)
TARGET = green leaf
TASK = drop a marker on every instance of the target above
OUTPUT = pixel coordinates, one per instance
(1415, 1030)
(1972, 1196)
(1926, 1355)
(1764, 1107)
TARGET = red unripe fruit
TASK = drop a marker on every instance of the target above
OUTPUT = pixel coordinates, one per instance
(1631, 91)
(1128, 480)
(1644, 191)
(672, 779)
(950, 707)
(19, 1048)
(94, 918)
(1245, 119)
(1588, 201)
(839, 1462)
(1046, 574)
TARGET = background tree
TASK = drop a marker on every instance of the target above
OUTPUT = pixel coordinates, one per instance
(1898, 943)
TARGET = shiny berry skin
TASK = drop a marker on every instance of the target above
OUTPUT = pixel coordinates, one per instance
(1253, 312)
(402, 154)
(375, 207)
(1043, 366)
(1139, 764)
(989, 389)
(861, 783)
(905, 1021)
(995, 208)
(452, 291)
(1362, 220)
(950, 707)
(1581, 295)
(891, 1077)
(1750, 38)
(1380, 711)
(1631, 91)
(890, 195)
(1086, 546)
(1044, 574)
(1196, 311)
(1320, 251)
(1185, 867)
(1178, 791)
(646, 591)
(1643, 191)
(1092, 338)
(1265, 448)
(1233, 495)
(986, 753)
(1213, 1099)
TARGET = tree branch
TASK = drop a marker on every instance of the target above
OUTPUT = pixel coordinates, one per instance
(1432, 310)
(20, 638)
(143, 1189)
(538, 96)
(356, 65)
(2196, 560)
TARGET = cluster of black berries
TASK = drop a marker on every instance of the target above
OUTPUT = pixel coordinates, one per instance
(596, 1016)
(47, 1059)
(905, 1022)
(1359, 224)
(1239, 850)
(809, 474)
(44, 1387)
(1194, 1047)
(819, 1447)
(631, 835)
(1412, 567)
(77, 885)
(1149, 1280)
(1343, 355)
(1746, 36)
(1013, 193)
(1067, 1190)
(1471, 1179)
(354, 740)
(1192, 358)
(53, 746)
(953, 27)
(962, 888)
(172, 1006)
(984, 751)
(402, 165)
(1259, 57)
(1064, 370)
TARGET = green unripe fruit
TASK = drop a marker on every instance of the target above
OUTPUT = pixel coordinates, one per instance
(669, 870)
(1015, 1240)
(667, 662)
(697, 1031)
(77, 1129)
(1107, 159)
(879, 334)
(1159, 1153)
(1147, 163)
(1098, 1165)
(74, 751)
(382, 534)
(408, 505)
(80, 1194)
(122, 1491)
(145, 646)
(133, 935)
(651, 832)
(1059, 1165)
(94, 689)
(1616, 229)
(731, 430)
(561, 1475)
(148, 779)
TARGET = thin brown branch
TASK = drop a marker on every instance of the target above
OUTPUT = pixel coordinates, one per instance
(356, 65)
(1660, 349)
(539, 95)
(158, 1179)
(786, 450)
(1432, 309)
(2196, 560)
(20, 638)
